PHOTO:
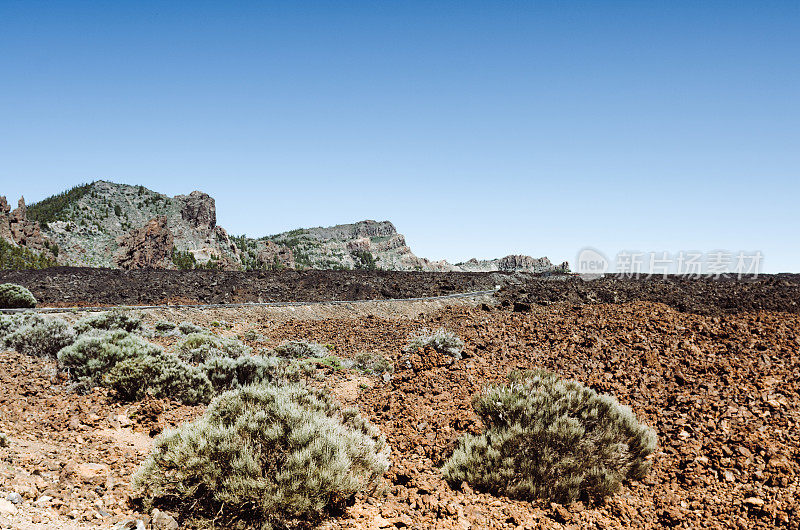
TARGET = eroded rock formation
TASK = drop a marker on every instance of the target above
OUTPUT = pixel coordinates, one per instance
(17, 229)
(149, 247)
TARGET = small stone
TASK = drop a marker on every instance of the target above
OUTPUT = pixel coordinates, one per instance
(729, 475)
(43, 500)
(754, 501)
(7, 507)
(163, 521)
(14, 497)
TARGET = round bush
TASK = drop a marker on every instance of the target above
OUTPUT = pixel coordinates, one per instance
(94, 353)
(441, 340)
(162, 376)
(14, 296)
(226, 373)
(36, 335)
(117, 319)
(198, 347)
(264, 455)
(551, 438)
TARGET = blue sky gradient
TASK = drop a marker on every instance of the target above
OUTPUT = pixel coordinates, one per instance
(479, 128)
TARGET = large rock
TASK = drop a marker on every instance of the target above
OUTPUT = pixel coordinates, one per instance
(199, 210)
(147, 247)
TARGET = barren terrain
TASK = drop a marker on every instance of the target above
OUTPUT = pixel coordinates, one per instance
(717, 380)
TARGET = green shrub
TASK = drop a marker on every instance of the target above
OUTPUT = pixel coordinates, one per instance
(116, 319)
(3, 439)
(159, 375)
(226, 373)
(551, 438)
(95, 353)
(36, 335)
(198, 347)
(372, 363)
(164, 326)
(264, 455)
(15, 296)
(440, 340)
(187, 328)
(301, 349)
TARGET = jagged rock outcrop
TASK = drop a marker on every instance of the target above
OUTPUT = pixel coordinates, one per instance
(511, 263)
(273, 255)
(17, 229)
(199, 210)
(149, 247)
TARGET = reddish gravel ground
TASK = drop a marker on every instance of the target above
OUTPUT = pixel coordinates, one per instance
(721, 390)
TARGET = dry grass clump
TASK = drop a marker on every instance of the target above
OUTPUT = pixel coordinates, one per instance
(159, 375)
(441, 340)
(199, 347)
(14, 296)
(264, 456)
(226, 373)
(551, 438)
(301, 349)
(36, 335)
(117, 319)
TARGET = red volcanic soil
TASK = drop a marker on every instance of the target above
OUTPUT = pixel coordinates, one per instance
(721, 390)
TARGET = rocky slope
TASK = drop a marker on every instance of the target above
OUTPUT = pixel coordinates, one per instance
(104, 224)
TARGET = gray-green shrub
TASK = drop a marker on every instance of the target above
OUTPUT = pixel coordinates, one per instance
(3, 439)
(15, 296)
(301, 349)
(372, 363)
(188, 327)
(116, 319)
(441, 340)
(551, 438)
(226, 373)
(33, 334)
(198, 347)
(264, 455)
(94, 353)
(164, 326)
(158, 375)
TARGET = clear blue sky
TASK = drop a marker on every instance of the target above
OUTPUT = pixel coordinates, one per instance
(478, 128)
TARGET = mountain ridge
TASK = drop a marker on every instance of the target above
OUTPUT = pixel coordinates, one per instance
(107, 224)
